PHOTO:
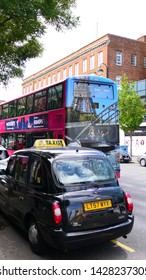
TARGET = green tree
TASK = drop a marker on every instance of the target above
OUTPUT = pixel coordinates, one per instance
(131, 108)
(22, 23)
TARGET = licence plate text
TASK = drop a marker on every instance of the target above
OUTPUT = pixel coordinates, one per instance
(97, 205)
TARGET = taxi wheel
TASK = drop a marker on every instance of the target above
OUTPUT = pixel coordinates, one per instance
(35, 239)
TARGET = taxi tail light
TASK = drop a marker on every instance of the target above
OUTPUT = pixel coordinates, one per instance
(57, 215)
(118, 173)
(129, 202)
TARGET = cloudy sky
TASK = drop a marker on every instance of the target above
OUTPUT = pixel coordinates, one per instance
(124, 18)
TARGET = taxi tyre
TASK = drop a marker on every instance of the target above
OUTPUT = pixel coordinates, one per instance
(142, 162)
(35, 240)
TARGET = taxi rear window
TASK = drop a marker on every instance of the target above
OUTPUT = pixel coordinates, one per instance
(81, 170)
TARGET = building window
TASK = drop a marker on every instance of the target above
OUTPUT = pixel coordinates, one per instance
(54, 78)
(119, 58)
(31, 88)
(35, 85)
(76, 69)
(58, 76)
(84, 65)
(91, 62)
(100, 58)
(39, 83)
(70, 71)
(140, 87)
(25, 90)
(144, 62)
(49, 80)
(44, 82)
(133, 60)
(64, 74)
(118, 81)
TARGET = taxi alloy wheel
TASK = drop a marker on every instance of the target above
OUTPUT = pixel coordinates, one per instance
(35, 239)
(142, 162)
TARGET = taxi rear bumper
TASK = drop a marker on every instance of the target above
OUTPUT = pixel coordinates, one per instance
(61, 240)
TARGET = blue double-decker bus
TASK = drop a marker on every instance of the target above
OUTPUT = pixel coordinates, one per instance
(91, 111)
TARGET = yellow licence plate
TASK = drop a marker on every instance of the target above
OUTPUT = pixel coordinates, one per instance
(97, 205)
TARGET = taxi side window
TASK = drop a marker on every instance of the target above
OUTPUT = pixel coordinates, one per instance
(36, 172)
(11, 166)
(21, 169)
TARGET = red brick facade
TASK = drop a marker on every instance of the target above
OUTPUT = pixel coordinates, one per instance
(108, 46)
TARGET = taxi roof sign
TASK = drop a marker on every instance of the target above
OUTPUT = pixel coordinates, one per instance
(49, 143)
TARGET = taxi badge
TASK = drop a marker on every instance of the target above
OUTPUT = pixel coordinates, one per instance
(47, 143)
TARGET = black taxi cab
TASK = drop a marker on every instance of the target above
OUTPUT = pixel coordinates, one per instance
(65, 196)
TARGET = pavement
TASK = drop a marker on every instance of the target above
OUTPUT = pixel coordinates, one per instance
(134, 159)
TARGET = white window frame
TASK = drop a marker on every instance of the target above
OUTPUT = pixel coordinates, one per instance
(30, 88)
(49, 80)
(118, 81)
(64, 73)
(70, 71)
(76, 69)
(100, 59)
(25, 90)
(119, 58)
(133, 59)
(144, 62)
(84, 69)
(54, 78)
(58, 76)
(35, 85)
(92, 58)
(40, 84)
(44, 82)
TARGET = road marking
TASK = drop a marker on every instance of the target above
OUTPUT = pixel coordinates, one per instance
(122, 246)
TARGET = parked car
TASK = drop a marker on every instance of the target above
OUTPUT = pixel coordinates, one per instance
(67, 197)
(142, 159)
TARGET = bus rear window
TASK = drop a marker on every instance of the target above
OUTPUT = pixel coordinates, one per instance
(92, 90)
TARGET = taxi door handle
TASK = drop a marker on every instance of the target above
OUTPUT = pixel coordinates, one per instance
(21, 197)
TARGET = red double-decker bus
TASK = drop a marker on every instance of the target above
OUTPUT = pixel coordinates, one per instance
(79, 108)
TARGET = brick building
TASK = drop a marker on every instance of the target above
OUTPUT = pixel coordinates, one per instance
(112, 55)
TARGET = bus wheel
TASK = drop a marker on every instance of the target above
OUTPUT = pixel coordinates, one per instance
(35, 240)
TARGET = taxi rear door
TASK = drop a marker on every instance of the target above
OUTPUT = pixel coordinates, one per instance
(18, 188)
(7, 182)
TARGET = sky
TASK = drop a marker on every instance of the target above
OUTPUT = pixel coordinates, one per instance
(124, 18)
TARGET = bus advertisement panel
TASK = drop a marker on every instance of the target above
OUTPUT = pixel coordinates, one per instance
(26, 123)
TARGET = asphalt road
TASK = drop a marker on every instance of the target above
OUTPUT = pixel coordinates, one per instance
(14, 244)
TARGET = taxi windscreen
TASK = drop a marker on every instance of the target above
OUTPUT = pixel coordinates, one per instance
(82, 170)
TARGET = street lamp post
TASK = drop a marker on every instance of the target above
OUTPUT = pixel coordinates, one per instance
(100, 70)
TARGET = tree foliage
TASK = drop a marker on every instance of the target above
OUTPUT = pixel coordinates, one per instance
(22, 23)
(131, 108)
